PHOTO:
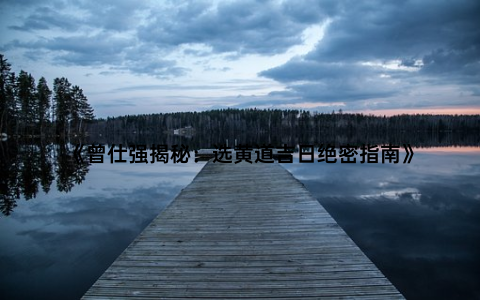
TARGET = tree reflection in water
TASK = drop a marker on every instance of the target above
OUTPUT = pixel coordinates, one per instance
(27, 167)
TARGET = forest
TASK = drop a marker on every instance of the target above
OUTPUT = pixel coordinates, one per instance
(277, 122)
(34, 110)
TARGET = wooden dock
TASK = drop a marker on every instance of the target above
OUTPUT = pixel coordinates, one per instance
(243, 231)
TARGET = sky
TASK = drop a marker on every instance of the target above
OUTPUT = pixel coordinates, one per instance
(140, 57)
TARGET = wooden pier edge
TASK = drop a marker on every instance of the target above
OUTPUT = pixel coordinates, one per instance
(243, 231)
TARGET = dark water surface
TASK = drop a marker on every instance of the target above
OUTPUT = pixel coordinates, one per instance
(419, 222)
(56, 245)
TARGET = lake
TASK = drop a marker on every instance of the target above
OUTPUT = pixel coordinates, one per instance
(418, 222)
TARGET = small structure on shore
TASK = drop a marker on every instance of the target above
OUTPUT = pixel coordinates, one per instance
(187, 131)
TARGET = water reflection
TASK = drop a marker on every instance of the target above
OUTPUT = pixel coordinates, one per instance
(27, 167)
(57, 245)
(420, 223)
(416, 139)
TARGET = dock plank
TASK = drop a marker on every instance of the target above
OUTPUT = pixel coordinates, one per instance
(242, 231)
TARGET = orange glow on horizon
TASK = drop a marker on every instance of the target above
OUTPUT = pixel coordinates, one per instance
(448, 149)
(431, 110)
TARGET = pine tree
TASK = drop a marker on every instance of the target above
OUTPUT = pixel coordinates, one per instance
(43, 101)
(29, 109)
(82, 111)
(11, 104)
(7, 99)
(63, 104)
(85, 112)
(74, 120)
(26, 97)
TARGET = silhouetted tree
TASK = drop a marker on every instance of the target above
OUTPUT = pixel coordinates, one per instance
(43, 98)
(62, 96)
(26, 97)
(7, 101)
(81, 110)
(26, 108)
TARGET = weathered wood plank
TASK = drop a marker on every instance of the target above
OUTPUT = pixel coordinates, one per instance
(243, 231)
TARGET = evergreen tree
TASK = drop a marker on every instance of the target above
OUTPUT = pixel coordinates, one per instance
(11, 104)
(85, 111)
(26, 97)
(43, 101)
(81, 110)
(74, 120)
(7, 101)
(29, 109)
(63, 105)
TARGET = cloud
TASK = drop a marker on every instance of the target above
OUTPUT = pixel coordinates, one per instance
(117, 16)
(159, 68)
(367, 54)
(464, 63)
(388, 30)
(311, 70)
(310, 11)
(242, 27)
(137, 37)
(24, 3)
(167, 87)
(88, 33)
(378, 49)
(69, 16)
(331, 82)
(44, 18)
(79, 50)
(116, 52)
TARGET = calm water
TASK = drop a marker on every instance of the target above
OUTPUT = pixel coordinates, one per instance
(420, 223)
(56, 245)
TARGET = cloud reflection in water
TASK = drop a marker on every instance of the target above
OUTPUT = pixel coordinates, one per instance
(420, 223)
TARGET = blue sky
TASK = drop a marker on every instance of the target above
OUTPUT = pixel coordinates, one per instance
(162, 56)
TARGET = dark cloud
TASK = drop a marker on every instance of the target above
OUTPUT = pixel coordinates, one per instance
(311, 70)
(342, 91)
(438, 42)
(310, 11)
(89, 33)
(398, 29)
(80, 50)
(102, 49)
(464, 63)
(70, 16)
(243, 27)
(24, 3)
(158, 68)
(424, 43)
(331, 82)
(45, 18)
(120, 15)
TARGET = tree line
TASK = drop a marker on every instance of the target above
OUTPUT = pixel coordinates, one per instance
(30, 109)
(276, 122)
(33, 109)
